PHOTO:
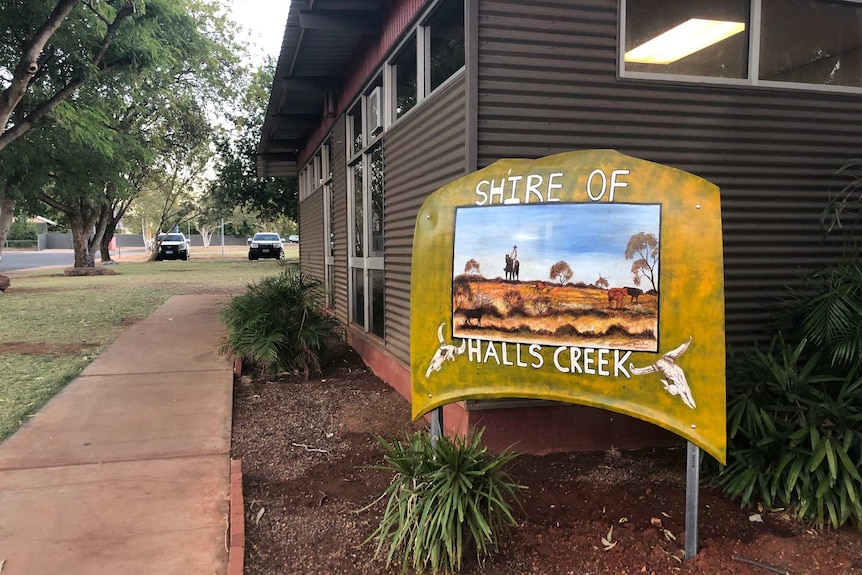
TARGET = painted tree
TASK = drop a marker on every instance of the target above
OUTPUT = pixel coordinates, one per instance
(602, 282)
(561, 272)
(643, 248)
(462, 293)
(471, 267)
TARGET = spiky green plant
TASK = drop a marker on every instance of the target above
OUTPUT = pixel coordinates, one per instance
(795, 435)
(447, 496)
(827, 311)
(279, 324)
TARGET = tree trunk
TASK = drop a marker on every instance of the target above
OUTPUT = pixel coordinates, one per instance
(101, 226)
(105, 246)
(82, 220)
(7, 212)
(80, 242)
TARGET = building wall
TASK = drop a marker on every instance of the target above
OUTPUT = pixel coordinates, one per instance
(548, 84)
(311, 240)
(339, 214)
(424, 152)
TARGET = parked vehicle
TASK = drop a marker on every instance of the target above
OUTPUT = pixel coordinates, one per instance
(293, 238)
(174, 246)
(265, 245)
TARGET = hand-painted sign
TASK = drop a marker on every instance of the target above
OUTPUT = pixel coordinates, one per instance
(586, 277)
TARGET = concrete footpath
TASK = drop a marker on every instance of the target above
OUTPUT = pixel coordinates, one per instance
(126, 471)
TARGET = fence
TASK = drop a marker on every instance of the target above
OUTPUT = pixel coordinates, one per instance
(63, 241)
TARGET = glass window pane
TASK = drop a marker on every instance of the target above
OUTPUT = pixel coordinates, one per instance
(358, 212)
(356, 129)
(359, 296)
(376, 326)
(447, 41)
(405, 78)
(688, 37)
(811, 42)
(376, 185)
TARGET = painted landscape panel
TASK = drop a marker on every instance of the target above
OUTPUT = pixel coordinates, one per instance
(578, 274)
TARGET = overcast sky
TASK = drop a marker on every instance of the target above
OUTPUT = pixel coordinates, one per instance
(264, 20)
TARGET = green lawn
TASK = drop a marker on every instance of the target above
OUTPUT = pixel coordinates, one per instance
(51, 326)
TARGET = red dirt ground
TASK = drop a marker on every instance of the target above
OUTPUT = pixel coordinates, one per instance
(306, 445)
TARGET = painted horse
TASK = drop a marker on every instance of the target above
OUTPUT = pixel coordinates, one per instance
(512, 268)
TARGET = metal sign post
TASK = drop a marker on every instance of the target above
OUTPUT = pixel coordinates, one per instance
(692, 487)
(436, 424)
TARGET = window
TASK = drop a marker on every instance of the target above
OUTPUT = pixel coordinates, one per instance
(328, 224)
(659, 33)
(425, 60)
(796, 43)
(811, 42)
(404, 78)
(366, 203)
(445, 30)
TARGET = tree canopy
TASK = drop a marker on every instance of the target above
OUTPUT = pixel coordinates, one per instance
(119, 85)
(237, 183)
(561, 272)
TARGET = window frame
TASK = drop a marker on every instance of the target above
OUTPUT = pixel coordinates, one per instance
(421, 32)
(753, 36)
(364, 263)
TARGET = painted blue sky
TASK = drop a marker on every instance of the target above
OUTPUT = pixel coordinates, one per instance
(591, 238)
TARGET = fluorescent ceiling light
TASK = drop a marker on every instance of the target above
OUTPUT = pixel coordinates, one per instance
(687, 38)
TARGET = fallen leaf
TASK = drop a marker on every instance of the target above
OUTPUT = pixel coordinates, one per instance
(668, 535)
(259, 515)
(623, 520)
(755, 518)
(665, 514)
(655, 521)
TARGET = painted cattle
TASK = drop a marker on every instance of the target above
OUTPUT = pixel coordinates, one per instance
(616, 297)
(634, 293)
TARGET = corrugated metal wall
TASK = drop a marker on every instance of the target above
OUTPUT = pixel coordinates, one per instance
(339, 216)
(311, 235)
(547, 84)
(424, 152)
(311, 226)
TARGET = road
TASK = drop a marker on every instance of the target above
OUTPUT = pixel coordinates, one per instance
(20, 260)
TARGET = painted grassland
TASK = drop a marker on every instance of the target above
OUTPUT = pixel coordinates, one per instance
(552, 314)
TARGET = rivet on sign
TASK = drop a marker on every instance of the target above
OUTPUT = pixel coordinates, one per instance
(428, 217)
(693, 426)
(698, 206)
(429, 396)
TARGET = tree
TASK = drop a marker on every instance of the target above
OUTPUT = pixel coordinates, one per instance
(644, 249)
(602, 282)
(561, 272)
(102, 44)
(471, 267)
(236, 182)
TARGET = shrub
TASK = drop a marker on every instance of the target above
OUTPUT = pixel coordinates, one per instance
(447, 495)
(795, 435)
(21, 230)
(827, 310)
(279, 324)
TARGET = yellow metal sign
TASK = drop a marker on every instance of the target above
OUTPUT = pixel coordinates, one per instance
(586, 277)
